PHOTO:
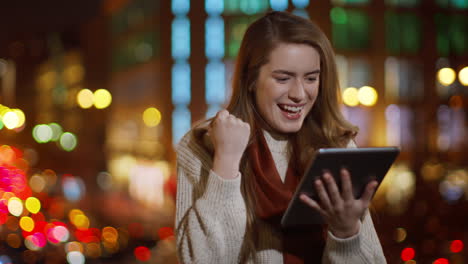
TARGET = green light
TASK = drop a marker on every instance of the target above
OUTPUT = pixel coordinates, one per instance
(68, 141)
(42, 133)
(338, 15)
(1, 124)
(56, 131)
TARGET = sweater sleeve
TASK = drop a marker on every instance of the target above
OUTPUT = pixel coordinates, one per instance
(363, 247)
(210, 211)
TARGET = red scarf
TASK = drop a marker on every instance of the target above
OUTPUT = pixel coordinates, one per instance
(272, 199)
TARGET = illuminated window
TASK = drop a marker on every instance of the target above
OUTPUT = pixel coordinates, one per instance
(403, 3)
(181, 87)
(457, 4)
(403, 79)
(235, 31)
(451, 34)
(214, 47)
(350, 29)
(279, 5)
(350, 2)
(248, 7)
(137, 49)
(403, 33)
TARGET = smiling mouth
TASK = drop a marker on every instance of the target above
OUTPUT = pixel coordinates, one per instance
(291, 109)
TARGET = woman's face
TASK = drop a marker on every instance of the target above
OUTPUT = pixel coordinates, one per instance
(287, 86)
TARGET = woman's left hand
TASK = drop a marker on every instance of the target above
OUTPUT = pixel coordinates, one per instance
(341, 211)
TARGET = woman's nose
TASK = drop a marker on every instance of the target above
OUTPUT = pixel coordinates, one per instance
(297, 91)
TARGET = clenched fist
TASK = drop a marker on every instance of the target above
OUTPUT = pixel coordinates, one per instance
(230, 136)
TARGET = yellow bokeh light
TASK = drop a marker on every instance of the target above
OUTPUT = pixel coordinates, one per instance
(73, 246)
(463, 76)
(446, 76)
(11, 119)
(110, 234)
(21, 117)
(350, 96)
(102, 98)
(15, 206)
(367, 96)
(26, 223)
(85, 98)
(33, 205)
(151, 117)
(79, 219)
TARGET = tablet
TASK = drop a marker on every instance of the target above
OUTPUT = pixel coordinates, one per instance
(364, 165)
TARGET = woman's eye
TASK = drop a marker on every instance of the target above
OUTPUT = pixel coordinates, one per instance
(312, 79)
(282, 79)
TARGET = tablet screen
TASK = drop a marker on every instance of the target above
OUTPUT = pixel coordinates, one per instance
(364, 165)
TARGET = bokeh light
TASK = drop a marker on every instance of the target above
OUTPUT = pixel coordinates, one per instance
(85, 98)
(456, 246)
(73, 188)
(56, 131)
(42, 133)
(75, 257)
(33, 205)
(37, 183)
(15, 206)
(102, 98)
(350, 96)
(441, 261)
(26, 223)
(21, 117)
(367, 96)
(73, 246)
(142, 253)
(68, 141)
(151, 117)
(446, 76)
(407, 254)
(400, 234)
(109, 234)
(60, 233)
(463, 76)
(11, 119)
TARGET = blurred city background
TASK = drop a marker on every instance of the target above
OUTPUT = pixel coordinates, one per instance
(94, 94)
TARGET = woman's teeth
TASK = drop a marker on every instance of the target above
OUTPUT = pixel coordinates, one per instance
(293, 109)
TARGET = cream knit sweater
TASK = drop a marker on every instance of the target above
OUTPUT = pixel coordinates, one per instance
(211, 216)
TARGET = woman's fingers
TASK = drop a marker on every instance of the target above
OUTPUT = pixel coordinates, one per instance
(367, 195)
(332, 188)
(310, 202)
(323, 195)
(346, 185)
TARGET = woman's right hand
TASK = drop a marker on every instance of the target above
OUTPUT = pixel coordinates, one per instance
(230, 136)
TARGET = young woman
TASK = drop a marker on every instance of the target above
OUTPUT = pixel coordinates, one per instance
(238, 170)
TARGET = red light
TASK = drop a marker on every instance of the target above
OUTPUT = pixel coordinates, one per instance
(456, 246)
(441, 261)
(165, 232)
(407, 254)
(142, 253)
(3, 218)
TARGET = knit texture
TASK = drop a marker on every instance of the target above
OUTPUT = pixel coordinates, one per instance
(211, 216)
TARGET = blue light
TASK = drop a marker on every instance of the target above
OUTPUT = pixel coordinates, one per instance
(301, 13)
(180, 7)
(300, 3)
(279, 5)
(212, 111)
(214, 7)
(181, 83)
(181, 38)
(214, 38)
(215, 83)
(181, 122)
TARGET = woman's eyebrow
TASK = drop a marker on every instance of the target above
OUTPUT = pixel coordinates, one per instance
(294, 74)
